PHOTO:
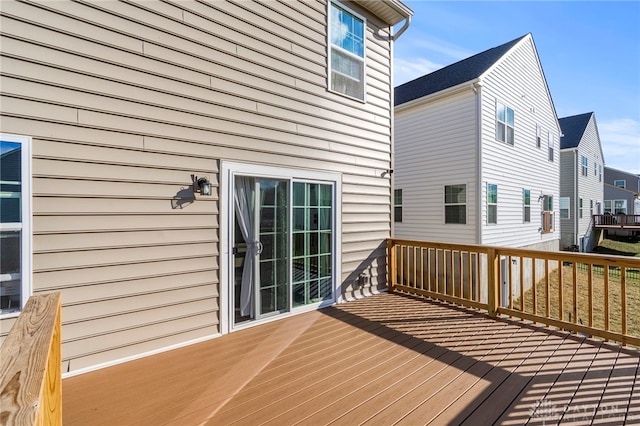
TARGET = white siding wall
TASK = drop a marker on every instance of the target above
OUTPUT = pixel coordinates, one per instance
(125, 101)
(569, 169)
(590, 187)
(435, 145)
(517, 82)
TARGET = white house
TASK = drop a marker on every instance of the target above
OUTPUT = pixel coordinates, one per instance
(477, 152)
(581, 180)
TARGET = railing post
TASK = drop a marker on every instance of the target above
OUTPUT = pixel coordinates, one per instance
(30, 376)
(392, 267)
(493, 280)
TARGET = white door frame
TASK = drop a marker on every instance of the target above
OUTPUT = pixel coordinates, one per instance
(228, 170)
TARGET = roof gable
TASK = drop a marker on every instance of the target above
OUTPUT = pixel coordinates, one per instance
(452, 75)
(573, 129)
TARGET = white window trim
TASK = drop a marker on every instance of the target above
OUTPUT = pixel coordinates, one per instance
(526, 206)
(624, 183)
(445, 204)
(395, 219)
(27, 221)
(565, 204)
(330, 46)
(227, 171)
(506, 124)
(492, 204)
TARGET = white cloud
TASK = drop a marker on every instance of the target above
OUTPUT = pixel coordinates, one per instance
(406, 70)
(620, 139)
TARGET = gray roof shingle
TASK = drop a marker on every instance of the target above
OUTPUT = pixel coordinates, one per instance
(452, 75)
(572, 129)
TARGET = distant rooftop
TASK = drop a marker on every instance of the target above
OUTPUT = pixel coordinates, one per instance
(572, 129)
(452, 75)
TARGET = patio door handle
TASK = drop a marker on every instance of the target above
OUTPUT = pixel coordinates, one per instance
(259, 247)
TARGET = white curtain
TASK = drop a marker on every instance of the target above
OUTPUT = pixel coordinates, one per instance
(244, 196)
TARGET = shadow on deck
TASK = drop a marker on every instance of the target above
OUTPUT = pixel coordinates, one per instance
(384, 360)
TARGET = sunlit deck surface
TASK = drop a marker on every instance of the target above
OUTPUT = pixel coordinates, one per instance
(382, 360)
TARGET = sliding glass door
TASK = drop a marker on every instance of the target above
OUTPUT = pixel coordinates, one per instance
(283, 245)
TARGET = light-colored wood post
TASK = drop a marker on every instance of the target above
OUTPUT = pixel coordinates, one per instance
(493, 280)
(392, 267)
(30, 376)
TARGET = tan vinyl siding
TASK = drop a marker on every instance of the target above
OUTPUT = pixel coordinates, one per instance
(126, 100)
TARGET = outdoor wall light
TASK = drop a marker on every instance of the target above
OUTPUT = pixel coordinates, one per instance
(201, 185)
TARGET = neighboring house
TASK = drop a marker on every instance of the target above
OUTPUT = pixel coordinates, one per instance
(621, 192)
(179, 170)
(581, 182)
(477, 152)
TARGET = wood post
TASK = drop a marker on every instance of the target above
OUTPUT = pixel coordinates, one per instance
(30, 376)
(392, 266)
(493, 280)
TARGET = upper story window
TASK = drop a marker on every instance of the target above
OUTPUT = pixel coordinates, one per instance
(455, 204)
(505, 118)
(526, 205)
(565, 212)
(346, 58)
(492, 203)
(585, 166)
(600, 175)
(397, 205)
(550, 143)
(620, 183)
(538, 136)
(15, 221)
(581, 207)
(595, 169)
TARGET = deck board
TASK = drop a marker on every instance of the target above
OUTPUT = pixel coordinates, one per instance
(387, 359)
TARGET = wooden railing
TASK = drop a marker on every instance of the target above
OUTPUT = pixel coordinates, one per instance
(617, 220)
(590, 294)
(30, 376)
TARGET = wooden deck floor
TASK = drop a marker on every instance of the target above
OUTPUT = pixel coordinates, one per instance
(382, 360)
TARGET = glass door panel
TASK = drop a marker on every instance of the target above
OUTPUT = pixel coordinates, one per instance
(273, 294)
(312, 243)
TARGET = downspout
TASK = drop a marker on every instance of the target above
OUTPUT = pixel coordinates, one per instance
(402, 29)
(576, 201)
(476, 87)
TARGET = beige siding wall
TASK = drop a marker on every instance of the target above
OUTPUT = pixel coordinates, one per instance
(126, 100)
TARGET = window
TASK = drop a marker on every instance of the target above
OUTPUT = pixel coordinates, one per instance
(505, 123)
(615, 206)
(580, 203)
(595, 169)
(585, 166)
(548, 216)
(346, 59)
(591, 207)
(538, 136)
(564, 208)
(620, 183)
(455, 204)
(397, 205)
(550, 144)
(492, 203)
(599, 173)
(620, 206)
(526, 205)
(15, 221)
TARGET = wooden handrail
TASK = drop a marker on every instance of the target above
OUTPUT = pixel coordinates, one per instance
(553, 288)
(30, 376)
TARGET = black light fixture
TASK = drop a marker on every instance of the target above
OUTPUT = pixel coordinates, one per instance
(202, 185)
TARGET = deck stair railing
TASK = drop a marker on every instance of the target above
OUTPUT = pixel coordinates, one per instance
(30, 376)
(595, 295)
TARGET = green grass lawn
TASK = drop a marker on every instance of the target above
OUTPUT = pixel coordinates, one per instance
(620, 248)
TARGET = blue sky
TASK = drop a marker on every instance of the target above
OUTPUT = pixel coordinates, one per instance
(590, 54)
